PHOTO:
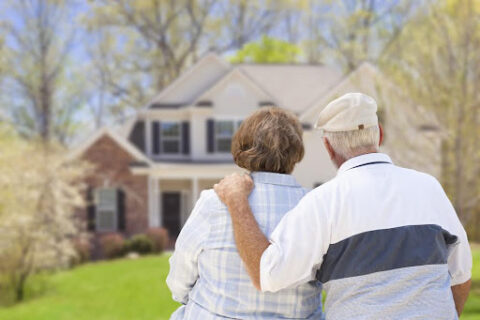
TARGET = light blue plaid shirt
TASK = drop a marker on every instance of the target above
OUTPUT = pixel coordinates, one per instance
(207, 274)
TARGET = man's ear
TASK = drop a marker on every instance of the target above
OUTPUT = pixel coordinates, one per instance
(329, 148)
(380, 142)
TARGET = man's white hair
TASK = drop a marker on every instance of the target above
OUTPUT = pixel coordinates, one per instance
(349, 144)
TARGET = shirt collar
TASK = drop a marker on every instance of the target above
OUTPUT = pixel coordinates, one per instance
(362, 160)
(274, 178)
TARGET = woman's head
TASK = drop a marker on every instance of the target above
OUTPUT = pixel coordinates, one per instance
(269, 140)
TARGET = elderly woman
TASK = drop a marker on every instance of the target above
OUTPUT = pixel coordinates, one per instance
(206, 273)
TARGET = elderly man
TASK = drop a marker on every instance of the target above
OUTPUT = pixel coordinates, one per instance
(385, 240)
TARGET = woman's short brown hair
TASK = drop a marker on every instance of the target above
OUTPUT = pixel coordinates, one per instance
(269, 140)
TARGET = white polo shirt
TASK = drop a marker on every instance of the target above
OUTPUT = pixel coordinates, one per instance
(385, 241)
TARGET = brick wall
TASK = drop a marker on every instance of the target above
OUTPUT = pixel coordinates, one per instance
(111, 163)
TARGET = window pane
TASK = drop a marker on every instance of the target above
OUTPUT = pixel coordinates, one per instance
(107, 198)
(224, 128)
(106, 220)
(172, 146)
(170, 129)
(224, 144)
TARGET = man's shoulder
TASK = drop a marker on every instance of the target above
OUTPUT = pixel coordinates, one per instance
(415, 176)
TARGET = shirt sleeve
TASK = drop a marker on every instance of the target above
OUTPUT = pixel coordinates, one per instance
(459, 253)
(297, 246)
(183, 263)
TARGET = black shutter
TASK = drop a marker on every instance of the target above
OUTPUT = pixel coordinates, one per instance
(156, 137)
(121, 209)
(90, 209)
(137, 135)
(186, 137)
(210, 136)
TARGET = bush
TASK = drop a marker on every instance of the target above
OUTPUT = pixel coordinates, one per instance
(159, 238)
(112, 245)
(83, 249)
(140, 244)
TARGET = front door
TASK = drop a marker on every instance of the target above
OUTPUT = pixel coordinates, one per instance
(171, 213)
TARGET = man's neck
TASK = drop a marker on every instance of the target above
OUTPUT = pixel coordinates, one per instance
(338, 160)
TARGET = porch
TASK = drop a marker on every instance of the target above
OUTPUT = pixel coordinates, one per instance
(173, 190)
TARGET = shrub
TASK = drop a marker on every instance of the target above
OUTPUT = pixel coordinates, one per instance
(112, 245)
(83, 251)
(139, 243)
(159, 238)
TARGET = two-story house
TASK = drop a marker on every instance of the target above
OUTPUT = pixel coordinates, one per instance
(149, 173)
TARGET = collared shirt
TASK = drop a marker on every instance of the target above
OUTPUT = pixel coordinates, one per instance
(384, 240)
(207, 274)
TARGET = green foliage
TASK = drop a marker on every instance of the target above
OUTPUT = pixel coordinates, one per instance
(140, 244)
(267, 50)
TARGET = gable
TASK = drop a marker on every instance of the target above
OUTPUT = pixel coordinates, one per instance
(295, 86)
(191, 83)
(118, 141)
(236, 95)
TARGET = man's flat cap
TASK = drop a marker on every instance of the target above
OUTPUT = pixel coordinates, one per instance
(352, 111)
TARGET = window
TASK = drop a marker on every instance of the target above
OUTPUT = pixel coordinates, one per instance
(106, 209)
(224, 130)
(166, 138)
(170, 137)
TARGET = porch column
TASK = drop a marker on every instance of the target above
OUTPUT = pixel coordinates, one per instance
(154, 217)
(194, 191)
(158, 203)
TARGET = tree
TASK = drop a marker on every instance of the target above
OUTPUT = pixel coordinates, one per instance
(267, 50)
(39, 192)
(138, 47)
(41, 97)
(436, 59)
(348, 32)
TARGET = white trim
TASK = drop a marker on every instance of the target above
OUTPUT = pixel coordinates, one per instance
(124, 143)
(185, 75)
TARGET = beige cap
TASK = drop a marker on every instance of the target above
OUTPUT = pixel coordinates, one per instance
(352, 111)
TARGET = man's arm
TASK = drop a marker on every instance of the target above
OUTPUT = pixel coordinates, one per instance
(250, 240)
(294, 249)
(460, 295)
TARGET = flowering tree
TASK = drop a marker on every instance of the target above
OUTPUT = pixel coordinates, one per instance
(39, 191)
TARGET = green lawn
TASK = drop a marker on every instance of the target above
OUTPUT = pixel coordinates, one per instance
(128, 289)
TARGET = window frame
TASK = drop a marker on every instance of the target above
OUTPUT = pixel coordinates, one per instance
(236, 124)
(98, 208)
(171, 138)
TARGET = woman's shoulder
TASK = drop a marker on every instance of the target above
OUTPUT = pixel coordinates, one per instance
(209, 199)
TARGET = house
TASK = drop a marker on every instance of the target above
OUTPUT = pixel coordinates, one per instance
(151, 171)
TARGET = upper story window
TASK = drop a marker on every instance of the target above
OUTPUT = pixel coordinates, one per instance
(171, 137)
(224, 130)
(106, 209)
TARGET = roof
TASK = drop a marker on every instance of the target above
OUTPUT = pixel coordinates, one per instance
(120, 140)
(294, 86)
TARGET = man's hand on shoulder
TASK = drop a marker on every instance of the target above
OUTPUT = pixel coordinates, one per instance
(234, 187)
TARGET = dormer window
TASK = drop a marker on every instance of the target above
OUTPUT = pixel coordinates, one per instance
(171, 137)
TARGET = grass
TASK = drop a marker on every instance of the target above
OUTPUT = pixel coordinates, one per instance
(117, 290)
(129, 289)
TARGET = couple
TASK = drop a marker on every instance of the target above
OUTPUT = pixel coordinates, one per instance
(383, 241)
